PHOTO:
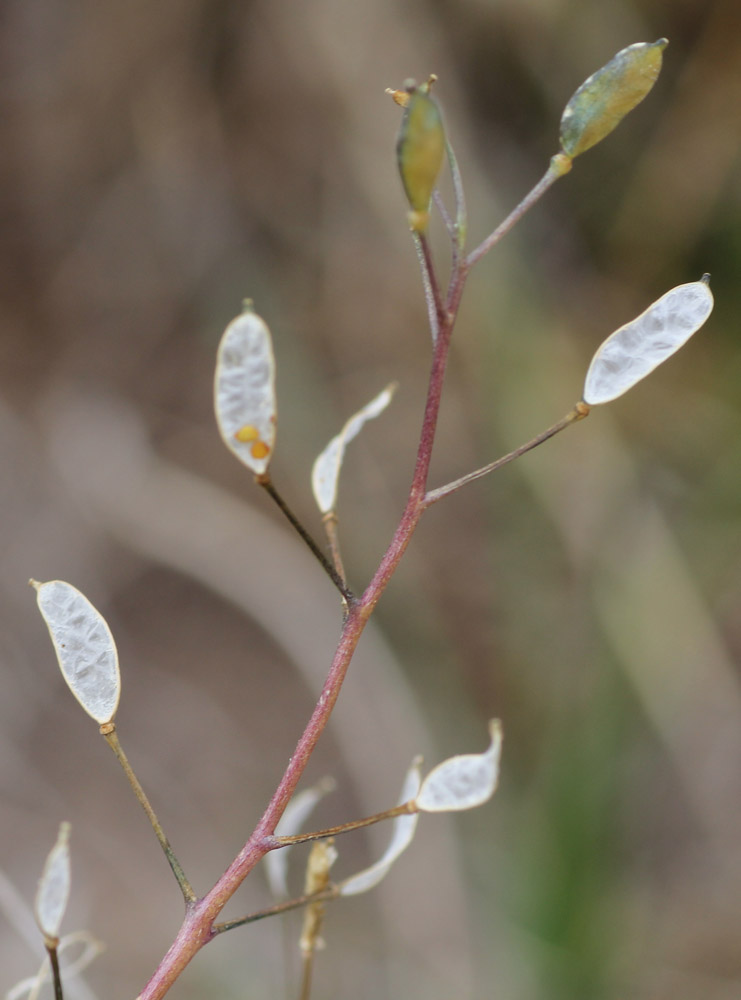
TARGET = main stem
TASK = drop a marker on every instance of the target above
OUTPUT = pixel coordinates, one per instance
(197, 928)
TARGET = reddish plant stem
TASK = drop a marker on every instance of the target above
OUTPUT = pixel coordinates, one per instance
(197, 928)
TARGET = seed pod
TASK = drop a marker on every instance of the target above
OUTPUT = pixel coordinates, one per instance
(244, 390)
(465, 781)
(633, 351)
(606, 97)
(84, 646)
(419, 150)
(53, 891)
(325, 474)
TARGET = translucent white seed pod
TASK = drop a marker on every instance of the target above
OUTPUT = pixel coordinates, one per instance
(465, 781)
(54, 885)
(633, 351)
(325, 474)
(84, 646)
(404, 828)
(244, 390)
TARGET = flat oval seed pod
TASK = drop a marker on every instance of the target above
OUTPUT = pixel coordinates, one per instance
(420, 148)
(84, 646)
(401, 837)
(53, 891)
(244, 390)
(325, 473)
(606, 97)
(633, 351)
(463, 782)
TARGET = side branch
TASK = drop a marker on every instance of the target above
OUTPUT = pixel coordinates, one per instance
(580, 411)
(560, 165)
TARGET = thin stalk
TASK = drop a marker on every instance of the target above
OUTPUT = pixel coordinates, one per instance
(461, 220)
(580, 411)
(330, 522)
(433, 296)
(331, 892)
(307, 969)
(427, 288)
(51, 950)
(108, 731)
(560, 164)
(406, 808)
(265, 481)
(444, 214)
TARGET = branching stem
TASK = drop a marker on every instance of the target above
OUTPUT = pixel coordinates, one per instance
(199, 928)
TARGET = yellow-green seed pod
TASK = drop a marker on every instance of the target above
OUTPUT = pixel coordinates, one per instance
(420, 149)
(603, 100)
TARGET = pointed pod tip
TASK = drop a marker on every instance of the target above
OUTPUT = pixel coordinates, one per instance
(34, 583)
(248, 306)
(661, 43)
(495, 729)
(705, 279)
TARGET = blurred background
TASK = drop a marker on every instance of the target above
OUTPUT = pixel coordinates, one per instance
(159, 162)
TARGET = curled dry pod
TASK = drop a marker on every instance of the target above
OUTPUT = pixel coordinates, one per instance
(633, 351)
(401, 837)
(84, 646)
(420, 148)
(244, 390)
(325, 473)
(606, 97)
(465, 781)
(53, 891)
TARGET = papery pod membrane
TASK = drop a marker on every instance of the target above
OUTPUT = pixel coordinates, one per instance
(633, 351)
(465, 781)
(244, 390)
(296, 812)
(84, 646)
(325, 473)
(606, 97)
(420, 148)
(54, 885)
(404, 828)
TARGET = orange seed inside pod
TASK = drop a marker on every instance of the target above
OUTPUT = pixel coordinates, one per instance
(259, 450)
(247, 433)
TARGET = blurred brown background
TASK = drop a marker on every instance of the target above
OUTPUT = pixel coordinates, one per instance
(158, 162)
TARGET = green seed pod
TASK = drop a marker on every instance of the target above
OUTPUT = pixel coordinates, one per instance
(420, 149)
(603, 100)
